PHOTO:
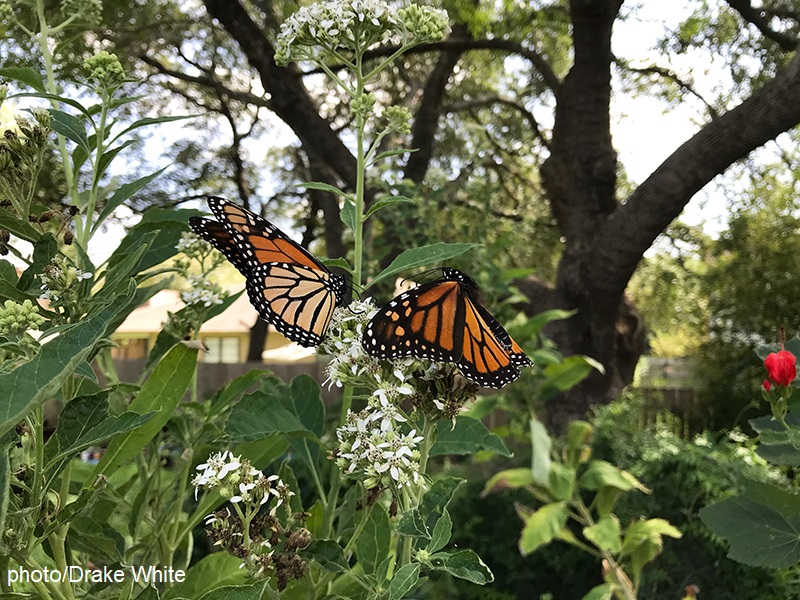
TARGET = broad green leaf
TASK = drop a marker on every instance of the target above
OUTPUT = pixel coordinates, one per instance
(17, 227)
(534, 325)
(562, 481)
(762, 525)
(307, 403)
(161, 393)
(404, 581)
(124, 192)
(441, 533)
(328, 554)
(122, 271)
(264, 452)
(541, 443)
(71, 127)
(412, 524)
(209, 573)
(60, 99)
(604, 591)
(542, 526)
(254, 591)
(26, 75)
(643, 541)
(340, 263)
(467, 437)
(8, 286)
(601, 474)
(464, 564)
(98, 540)
(234, 389)
(421, 257)
(509, 479)
(84, 422)
(32, 383)
(605, 534)
(168, 232)
(372, 545)
(784, 453)
(149, 593)
(437, 498)
(384, 202)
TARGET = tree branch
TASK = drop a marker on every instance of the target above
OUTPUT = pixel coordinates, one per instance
(506, 101)
(758, 17)
(633, 227)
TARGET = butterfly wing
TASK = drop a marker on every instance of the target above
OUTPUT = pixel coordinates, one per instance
(297, 300)
(518, 356)
(218, 236)
(258, 240)
(484, 358)
(421, 322)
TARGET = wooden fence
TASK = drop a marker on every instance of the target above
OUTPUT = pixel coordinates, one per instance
(677, 409)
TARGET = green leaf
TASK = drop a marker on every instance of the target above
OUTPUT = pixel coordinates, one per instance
(562, 481)
(467, 437)
(605, 534)
(404, 581)
(168, 228)
(8, 440)
(509, 479)
(122, 193)
(348, 214)
(643, 541)
(209, 573)
(412, 524)
(71, 127)
(8, 286)
(464, 564)
(541, 443)
(265, 413)
(384, 202)
(107, 157)
(441, 533)
(328, 554)
(32, 383)
(324, 187)
(603, 591)
(541, 526)
(762, 526)
(569, 372)
(437, 498)
(161, 393)
(390, 153)
(151, 121)
(149, 593)
(422, 256)
(98, 540)
(601, 474)
(84, 422)
(26, 75)
(44, 249)
(231, 391)
(372, 546)
(784, 453)
(254, 591)
(61, 99)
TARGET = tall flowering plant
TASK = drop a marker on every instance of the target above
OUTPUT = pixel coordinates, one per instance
(761, 525)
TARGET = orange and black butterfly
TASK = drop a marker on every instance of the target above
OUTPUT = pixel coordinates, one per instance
(289, 288)
(444, 321)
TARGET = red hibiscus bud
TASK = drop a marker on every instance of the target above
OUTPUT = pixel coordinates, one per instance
(781, 367)
(767, 385)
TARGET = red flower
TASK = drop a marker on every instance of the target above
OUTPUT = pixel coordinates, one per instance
(767, 385)
(781, 367)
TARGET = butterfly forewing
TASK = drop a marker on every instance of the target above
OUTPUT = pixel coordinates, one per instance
(484, 359)
(419, 323)
(259, 240)
(518, 356)
(218, 236)
(290, 288)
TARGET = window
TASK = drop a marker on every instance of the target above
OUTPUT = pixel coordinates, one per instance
(221, 350)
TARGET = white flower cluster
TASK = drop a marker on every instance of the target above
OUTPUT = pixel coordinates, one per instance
(355, 25)
(343, 343)
(373, 448)
(202, 292)
(58, 277)
(239, 482)
(192, 244)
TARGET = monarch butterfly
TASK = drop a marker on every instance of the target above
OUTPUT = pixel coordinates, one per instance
(444, 321)
(289, 288)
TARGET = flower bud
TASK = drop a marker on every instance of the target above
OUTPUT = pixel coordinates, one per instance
(781, 367)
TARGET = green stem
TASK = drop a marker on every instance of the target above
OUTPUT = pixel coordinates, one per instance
(359, 528)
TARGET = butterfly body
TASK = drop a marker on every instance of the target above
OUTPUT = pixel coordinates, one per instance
(286, 284)
(445, 321)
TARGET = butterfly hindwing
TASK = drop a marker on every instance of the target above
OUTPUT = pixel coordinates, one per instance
(286, 284)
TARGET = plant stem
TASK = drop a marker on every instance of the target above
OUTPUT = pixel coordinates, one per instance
(358, 234)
